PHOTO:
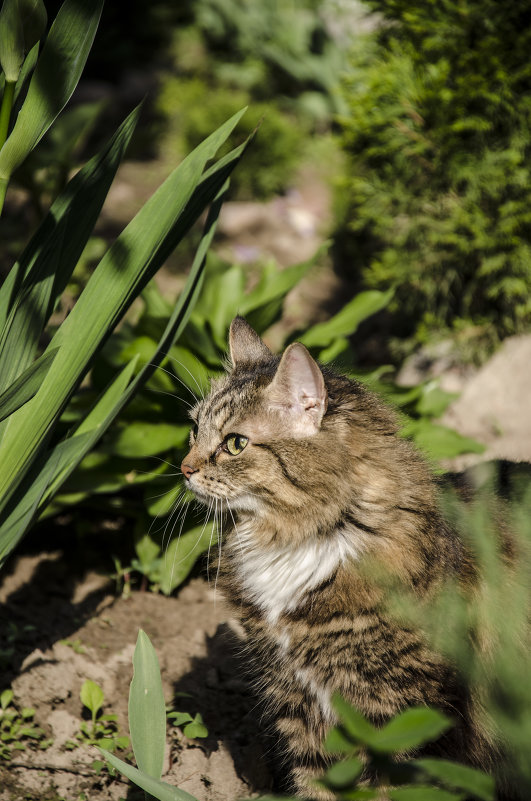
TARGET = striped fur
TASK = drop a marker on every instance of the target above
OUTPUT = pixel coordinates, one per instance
(327, 507)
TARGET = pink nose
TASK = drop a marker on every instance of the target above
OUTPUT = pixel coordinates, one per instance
(187, 470)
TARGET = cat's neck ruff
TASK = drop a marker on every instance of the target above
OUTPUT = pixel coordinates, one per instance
(277, 578)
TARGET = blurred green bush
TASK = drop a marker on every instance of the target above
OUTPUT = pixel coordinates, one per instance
(436, 200)
(281, 59)
(191, 107)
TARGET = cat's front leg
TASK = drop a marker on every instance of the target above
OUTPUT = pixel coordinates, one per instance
(299, 729)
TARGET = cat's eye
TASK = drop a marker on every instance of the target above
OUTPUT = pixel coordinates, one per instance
(235, 443)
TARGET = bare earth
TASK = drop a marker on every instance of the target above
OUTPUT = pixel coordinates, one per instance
(197, 654)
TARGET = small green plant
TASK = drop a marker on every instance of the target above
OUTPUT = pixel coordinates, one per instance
(192, 727)
(102, 730)
(17, 728)
(380, 753)
(76, 645)
(147, 723)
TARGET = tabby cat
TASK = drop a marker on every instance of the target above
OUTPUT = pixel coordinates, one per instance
(316, 485)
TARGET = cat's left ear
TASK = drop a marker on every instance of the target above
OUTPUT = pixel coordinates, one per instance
(299, 388)
(245, 344)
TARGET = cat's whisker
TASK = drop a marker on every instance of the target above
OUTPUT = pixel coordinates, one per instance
(165, 461)
(220, 540)
(175, 502)
(175, 563)
(162, 494)
(171, 395)
(176, 378)
(235, 527)
(192, 376)
(180, 515)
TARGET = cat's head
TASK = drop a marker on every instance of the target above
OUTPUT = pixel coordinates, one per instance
(261, 438)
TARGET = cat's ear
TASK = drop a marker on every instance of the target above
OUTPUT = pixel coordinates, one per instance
(245, 344)
(299, 388)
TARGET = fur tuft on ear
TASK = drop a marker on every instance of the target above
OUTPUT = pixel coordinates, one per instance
(299, 388)
(245, 344)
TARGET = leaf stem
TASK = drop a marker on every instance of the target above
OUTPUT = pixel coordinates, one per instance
(5, 110)
(5, 116)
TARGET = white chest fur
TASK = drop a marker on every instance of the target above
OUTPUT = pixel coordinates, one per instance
(277, 579)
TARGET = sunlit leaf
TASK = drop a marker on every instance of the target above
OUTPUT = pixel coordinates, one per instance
(147, 710)
(409, 729)
(155, 787)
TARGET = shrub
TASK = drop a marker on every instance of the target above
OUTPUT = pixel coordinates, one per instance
(192, 107)
(437, 198)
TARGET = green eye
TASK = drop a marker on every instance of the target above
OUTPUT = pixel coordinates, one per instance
(236, 443)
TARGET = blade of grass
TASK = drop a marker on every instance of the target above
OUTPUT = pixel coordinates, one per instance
(30, 291)
(26, 385)
(19, 514)
(53, 468)
(56, 75)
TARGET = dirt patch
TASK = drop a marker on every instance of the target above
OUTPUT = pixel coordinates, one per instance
(64, 629)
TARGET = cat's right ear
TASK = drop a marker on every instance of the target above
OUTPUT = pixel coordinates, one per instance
(298, 389)
(245, 345)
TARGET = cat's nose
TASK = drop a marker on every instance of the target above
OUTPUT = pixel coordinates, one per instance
(187, 470)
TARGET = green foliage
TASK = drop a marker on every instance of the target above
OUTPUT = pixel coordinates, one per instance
(269, 48)
(281, 59)
(485, 634)
(17, 728)
(147, 722)
(103, 730)
(193, 727)
(193, 109)
(34, 459)
(380, 753)
(436, 199)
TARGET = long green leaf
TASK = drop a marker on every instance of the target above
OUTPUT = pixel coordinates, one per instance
(26, 385)
(156, 788)
(128, 265)
(423, 794)
(462, 777)
(347, 320)
(147, 710)
(30, 291)
(53, 468)
(56, 75)
(20, 513)
(94, 426)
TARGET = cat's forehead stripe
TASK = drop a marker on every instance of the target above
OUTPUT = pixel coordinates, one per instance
(221, 407)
